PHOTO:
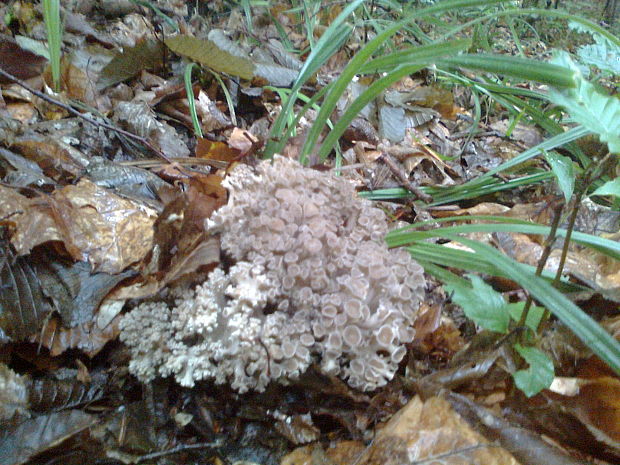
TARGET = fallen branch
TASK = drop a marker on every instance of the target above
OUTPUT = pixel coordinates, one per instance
(74, 112)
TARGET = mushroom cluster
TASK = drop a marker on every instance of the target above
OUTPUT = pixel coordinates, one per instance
(311, 279)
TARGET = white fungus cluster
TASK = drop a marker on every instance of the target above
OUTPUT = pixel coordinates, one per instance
(311, 276)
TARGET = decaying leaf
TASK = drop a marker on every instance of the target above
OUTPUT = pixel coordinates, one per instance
(57, 159)
(207, 52)
(74, 290)
(298, 429)
(47, 394)
(93, 224)
(101, 228)
(87, 337)
(17, 61)
(140, 119)
(342, 452)
(148, 54)
(23, 305)
(593, 397)
(28, 438)
(13, 394)
(431, 430)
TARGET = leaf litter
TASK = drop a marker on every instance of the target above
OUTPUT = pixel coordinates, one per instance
(91, 224)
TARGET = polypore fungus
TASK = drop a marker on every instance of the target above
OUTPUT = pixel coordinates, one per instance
(311, 278)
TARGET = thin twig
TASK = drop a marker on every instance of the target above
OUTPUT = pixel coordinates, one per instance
(404, 180)
(74, 112)
(181, 448)
(549, 241)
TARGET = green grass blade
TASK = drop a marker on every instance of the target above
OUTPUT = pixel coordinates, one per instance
(187, 77)
(364, 55)
(53, 26)
(414, 54)
(439, 255)
(408, 235)
(473, 189)
(427, 54)
(517, 67)
(331, 40)
(593, 27)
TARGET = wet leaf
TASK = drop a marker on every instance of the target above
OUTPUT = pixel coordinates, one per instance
(75, 291)
(58, 160)
(22, 441)
(23, 306)
(23, 172)
(47, 394)
(87, 337)
(99, 227)
(31, 220)
(431, 431)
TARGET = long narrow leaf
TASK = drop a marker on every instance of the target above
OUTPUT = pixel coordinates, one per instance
(414, 54)
(407, 236)
(365, 53)
(331, 40)
(436, 254)
(595, 28)
(521, 68)
(414, 65)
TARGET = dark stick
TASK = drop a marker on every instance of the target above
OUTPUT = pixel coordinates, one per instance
(74, 112)
(402, 177)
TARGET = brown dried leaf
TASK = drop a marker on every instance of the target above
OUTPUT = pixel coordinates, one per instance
(76, 83)
(431, 430)
(57, 160)
(595, 402)
(140, 119)
(298, 429)
(17, 61)
(242, 140)
(87, 337)
(343, 452)
(99, 227)
(182, 245)
(77, 22)
(212, 150)
(31, 220)
(211, 117)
